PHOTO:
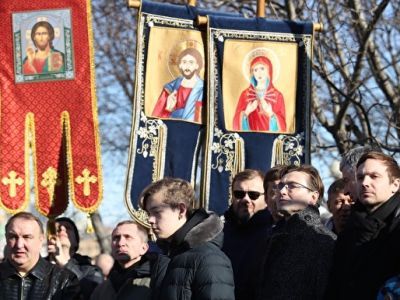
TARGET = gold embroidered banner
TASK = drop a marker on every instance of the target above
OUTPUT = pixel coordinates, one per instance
(48, 107)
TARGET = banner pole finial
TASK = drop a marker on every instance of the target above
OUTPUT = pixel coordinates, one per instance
(134, 3)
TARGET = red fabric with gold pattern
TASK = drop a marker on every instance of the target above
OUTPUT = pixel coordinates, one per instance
(56, 119)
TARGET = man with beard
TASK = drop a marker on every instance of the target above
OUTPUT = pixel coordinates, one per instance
(132, 275)
(247, 225)
(45, 59)
(182, 98)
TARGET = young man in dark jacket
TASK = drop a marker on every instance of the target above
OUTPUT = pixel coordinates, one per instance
(367, 250)
(62, 249)
(24, 275)
(198, 269)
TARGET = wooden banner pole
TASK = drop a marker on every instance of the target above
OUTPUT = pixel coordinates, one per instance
(261, 8)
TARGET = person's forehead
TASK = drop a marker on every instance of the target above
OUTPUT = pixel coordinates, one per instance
(372, 165)
(155, 199)
(188, 57)
(125, 229)
(260, 65)
(23, 225)
(296, 176)
(255, 181)
(41, 29)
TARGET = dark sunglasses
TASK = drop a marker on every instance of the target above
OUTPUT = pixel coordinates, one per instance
(253, 195)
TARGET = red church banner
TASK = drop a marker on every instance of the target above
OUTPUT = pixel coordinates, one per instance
(48, 123)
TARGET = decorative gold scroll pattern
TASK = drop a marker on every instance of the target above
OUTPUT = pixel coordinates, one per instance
(153, 135)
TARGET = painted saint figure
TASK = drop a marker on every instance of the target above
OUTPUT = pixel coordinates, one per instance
(45, 59)
(182, 98)
(261, 106)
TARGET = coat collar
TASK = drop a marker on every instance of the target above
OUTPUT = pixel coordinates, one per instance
(200, 228)
(39, 270)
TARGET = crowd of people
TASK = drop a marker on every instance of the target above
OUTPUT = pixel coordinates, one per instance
(270, 244)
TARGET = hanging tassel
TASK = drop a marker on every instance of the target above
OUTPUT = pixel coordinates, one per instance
(239, 156)
(277, 152)
(89, 226)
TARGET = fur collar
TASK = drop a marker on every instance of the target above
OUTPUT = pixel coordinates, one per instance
(205, 231)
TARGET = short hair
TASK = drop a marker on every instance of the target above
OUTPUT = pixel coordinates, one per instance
(49, 28)
(247, 174)
(175, 191)
(144, 233)
(337, 186)
(315, 180)
(275, 173)
(351, 157)
(393, 169)
(26, 216)
(193, 52)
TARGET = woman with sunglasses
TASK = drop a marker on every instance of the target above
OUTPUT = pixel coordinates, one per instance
(198, 269)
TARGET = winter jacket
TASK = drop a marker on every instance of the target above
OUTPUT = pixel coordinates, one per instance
(198, 268)
(367, 252)
(297, 258)
(241, 244)
(89, 276)
(44, 282)
(140, 281)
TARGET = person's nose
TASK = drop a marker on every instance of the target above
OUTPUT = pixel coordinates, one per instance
(152, 220)
(20, 243)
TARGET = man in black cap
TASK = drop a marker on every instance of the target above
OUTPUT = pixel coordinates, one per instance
(62, 249)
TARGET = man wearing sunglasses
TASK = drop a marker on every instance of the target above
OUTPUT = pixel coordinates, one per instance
(297, 259)
(247, 224)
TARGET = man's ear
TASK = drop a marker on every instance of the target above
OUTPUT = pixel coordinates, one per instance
(182, 210)
(396, 185)
(145, 247)
(314, 197)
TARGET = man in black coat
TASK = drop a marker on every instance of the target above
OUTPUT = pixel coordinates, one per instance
(62, 249)
(198, 269)
(367, 251)
(296, 261)
(24, 275)
(135, 272)
(247, 225)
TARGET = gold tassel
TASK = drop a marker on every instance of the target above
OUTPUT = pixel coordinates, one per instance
(239, 156)
(89, 226)
(277, 153)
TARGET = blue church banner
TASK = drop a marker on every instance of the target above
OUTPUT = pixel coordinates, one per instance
(258, 112)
